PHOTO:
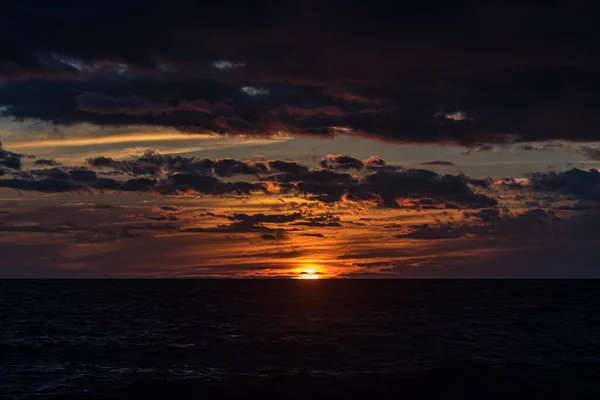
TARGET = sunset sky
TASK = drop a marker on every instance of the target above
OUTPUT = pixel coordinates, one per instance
(326, 139)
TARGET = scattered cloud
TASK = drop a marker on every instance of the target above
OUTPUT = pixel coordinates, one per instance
(254, 91)
(439, 163)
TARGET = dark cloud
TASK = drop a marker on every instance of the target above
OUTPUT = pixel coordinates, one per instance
(268, 218)
(485, 215)
(46, 162)
(138, 185)
(427, 232)
(376, 162)
(390, 186)
(484, 148)
(531, 223)
(9, 159)
(102, 233)
(341, 161)
(207, 184)
(54, 173)
(581, 205)
(319, 235)
(274, 236)
(83, 175)
(150, 163)
(228, 167)
(593, 153)
(44, 185)
(96, 103)
(171, 218)
(153, 164)
(324, 220)
(102, 162)
(235, 227)
(329, 186)
(291, 167)
(34, 229)
(169, 208)
(472, 73)
(576, 182)
(440, 163)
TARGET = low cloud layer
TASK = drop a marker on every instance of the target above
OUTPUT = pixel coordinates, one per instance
(339, 178)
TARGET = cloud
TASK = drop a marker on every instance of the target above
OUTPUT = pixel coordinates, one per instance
(54, 173)
(153, 164)
(96, 103)
(375, 162)
(341, 161)
(274, 236)
(580, 183)
(291, 167)
(172, 175)
(9, 159)
(228, 167)
(531, 223)
(439, 163)
(224, 64)
(254, 91)
(82, 175)
(592, 152)
(390, 186)
(391, 72)
(324, 220)
(457, 116)
(319, 235)
(44, 185)
(266, 218)
(46, 162)
(234, 227)
(34, 229)
(426, 232)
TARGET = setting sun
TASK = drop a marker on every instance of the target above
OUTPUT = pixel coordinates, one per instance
(308, 273)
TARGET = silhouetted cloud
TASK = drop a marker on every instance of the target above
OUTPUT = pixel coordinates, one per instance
(291, 167)
(341, 161)
(9, 159)
(592, 152)
(172, 175)
(270, 218)
(234, 227)
(390, 186)
(531, 223)
(83, 175)
(319, 235)
(324, 220)
(576, 182)
(43, 185)
(391, 71)
(440, 163)
(280, 235)
(46, 162)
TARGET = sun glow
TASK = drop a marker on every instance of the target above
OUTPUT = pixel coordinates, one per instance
(308, 272)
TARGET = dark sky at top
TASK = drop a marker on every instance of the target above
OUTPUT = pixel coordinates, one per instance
(466, 72)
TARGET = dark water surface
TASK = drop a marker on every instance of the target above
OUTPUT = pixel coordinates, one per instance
(299, 339)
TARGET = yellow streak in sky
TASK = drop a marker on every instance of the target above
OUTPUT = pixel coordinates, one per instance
(89, 141)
